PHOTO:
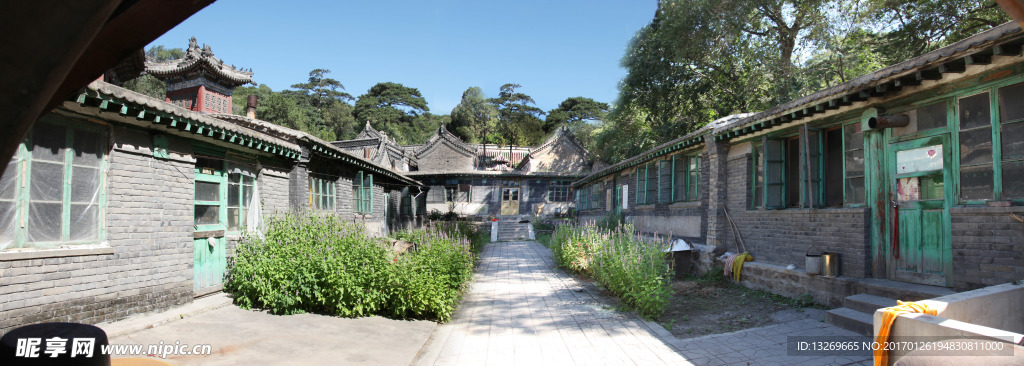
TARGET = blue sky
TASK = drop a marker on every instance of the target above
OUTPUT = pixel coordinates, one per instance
(555, 49)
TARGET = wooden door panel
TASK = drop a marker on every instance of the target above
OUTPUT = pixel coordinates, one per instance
(932, 250)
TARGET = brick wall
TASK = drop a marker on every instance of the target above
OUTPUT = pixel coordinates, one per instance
(784, 236)
(273, 185)
(988, 246)
(149, 226)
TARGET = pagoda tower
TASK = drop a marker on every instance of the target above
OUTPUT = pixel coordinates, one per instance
(199, 81)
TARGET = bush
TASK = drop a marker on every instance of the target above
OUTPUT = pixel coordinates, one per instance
(326, 265)
(630, 267)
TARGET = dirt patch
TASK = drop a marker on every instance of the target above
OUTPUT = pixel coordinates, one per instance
(712, 305)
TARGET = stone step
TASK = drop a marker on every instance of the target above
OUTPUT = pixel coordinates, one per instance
(900, 290)
(867, 303)
(851, 320)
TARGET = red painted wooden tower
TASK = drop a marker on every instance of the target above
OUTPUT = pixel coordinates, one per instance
(199, 81)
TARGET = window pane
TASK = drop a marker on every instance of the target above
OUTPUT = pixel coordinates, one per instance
(976, 146)
(976, 182)
(247, 196)
(84, 223)
(1011, 103)
(88, 148)
(233, 195)
(854, 137)
(9, 180)
(855, 190)
(234, 178)
(1012, 143)
(7, 210)
(855, 163)
(975, 112)
(234, 218)
(85, 184)
(1013, 179)
(207, 215)
(47, 181)
(44, 223)
(932, 116)
(206, 191)
(49, 142)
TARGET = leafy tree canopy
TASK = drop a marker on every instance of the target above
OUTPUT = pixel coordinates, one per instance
(473, 118)
(519, 120)
(392, 108)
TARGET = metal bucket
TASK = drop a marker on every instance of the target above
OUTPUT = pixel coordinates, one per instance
(830, 265)
(812, 264)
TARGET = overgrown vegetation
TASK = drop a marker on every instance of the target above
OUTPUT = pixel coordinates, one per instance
(322, 264)
(630, 267)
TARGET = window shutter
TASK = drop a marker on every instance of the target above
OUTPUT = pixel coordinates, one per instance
(665, 180)
(774, 173)
(652, 183)
(357, 192)
(641, 184)
(813, 184)
(368, 194)
(694, 178)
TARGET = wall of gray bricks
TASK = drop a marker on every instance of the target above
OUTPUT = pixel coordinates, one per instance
(988, 246)
(784, 236)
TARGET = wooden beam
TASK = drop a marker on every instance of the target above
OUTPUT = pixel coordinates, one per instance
(832, 104)
(901, 82)
(1006, 50)
(978, 60)
(951, 68)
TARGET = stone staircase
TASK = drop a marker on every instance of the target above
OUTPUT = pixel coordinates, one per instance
(513, 230)
(857, 313)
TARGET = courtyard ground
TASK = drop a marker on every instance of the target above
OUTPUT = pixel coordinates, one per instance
(712, 305)
(524, 310)
(246, 337)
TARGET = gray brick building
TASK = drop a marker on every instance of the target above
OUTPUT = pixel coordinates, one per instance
(118, 204)
(936, 136)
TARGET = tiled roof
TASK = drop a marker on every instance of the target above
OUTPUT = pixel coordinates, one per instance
(196, 59)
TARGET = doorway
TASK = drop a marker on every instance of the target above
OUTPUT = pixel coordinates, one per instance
(921, 187)
(510, 197)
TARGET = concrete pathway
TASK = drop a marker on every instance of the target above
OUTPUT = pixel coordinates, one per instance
(523, 310)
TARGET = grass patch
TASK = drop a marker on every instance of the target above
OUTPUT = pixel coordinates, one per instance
(323, 264)
(630, 267)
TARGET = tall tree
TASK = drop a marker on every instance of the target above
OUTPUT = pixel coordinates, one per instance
(519, 120)
(473, 118)
(581, 115)
(575, 110)
(393, 108)
(322, 90)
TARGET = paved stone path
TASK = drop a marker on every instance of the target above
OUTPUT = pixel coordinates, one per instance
(523, 310)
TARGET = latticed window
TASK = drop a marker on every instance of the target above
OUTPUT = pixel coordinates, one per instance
(559, 191)
(686, 178)
(323, 193)
(241, 184)
(362, 193)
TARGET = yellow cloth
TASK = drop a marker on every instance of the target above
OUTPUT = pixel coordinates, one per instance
(880, 353)
(737, 264)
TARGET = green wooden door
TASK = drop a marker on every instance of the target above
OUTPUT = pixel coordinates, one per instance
(209, 245)
(922, 188)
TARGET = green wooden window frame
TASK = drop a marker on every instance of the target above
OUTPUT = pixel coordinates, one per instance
(647, 184)
(362, 193)
(595, 196)
(685, 178)
(210, 173)
(757, 177)
(853, 164)
(81, 153)
(240, 195)
(1008, 115)
(323, 192)
(774, 163)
